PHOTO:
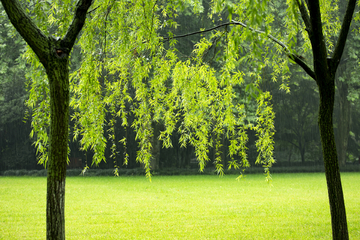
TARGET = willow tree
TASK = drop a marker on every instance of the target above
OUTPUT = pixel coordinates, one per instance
(318, 27)
(53, 53)
(320, 23)
(312, 25)
(122, 52)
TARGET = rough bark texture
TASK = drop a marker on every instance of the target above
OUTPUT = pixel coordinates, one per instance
(58, 74)
(54, 55)
(335, 192)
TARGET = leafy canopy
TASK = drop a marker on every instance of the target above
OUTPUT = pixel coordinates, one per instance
(131, 64)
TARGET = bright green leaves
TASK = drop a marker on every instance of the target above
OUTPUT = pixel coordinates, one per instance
(90, 113)
(58, 14)
(128, 72)
(86, 86)
(39, 103)
(265, 132)
(331, 24)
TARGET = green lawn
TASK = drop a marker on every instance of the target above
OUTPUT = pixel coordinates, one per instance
(180, 207)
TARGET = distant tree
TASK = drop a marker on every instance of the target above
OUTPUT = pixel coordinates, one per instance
(15, 146)
(347, 90)
(296, 114)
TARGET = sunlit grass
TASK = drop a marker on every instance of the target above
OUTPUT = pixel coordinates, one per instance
(180, 207)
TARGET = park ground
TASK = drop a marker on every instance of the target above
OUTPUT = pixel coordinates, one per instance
(291, 206)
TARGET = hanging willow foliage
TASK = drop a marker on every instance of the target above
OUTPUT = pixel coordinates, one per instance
(127, 63)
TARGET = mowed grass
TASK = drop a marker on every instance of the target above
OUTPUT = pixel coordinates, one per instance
(180, 207)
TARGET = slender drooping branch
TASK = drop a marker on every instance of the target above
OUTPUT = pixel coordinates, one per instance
(345, 27)
(296, 58)
(165, 39)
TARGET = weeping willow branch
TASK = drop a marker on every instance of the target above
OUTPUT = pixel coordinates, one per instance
(304, 14)
(165, 39)
(296, 58)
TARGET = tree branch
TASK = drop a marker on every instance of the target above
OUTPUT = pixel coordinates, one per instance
(165, 39)
(304, 14)
(27, 29)
(93, 10)
(340, 44)
(296, 58)
(317, 40)
(78, 22)
(303, 65)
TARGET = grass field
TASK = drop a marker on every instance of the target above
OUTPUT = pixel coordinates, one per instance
(180, 207)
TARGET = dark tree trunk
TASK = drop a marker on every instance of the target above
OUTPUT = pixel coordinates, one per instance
(335, 192)
(302, 151)
(290, 153)
(58, 73)
(156, 147)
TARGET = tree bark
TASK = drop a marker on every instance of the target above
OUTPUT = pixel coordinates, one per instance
(332, 172)
(58, 74)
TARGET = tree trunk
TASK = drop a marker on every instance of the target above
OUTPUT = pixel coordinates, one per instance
(335, 192)
(325, 70)
(290, 153)
(58, 74)
(156, 146)
(302, 151)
